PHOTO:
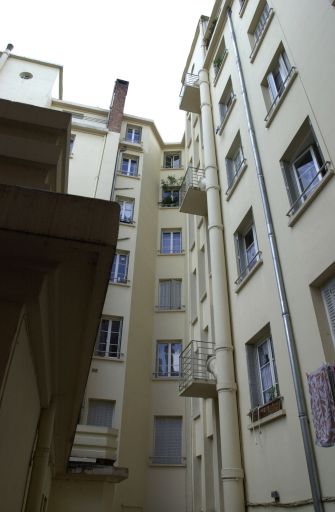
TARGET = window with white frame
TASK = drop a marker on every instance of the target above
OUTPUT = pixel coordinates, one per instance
(167, 358)
(129, 165)
(262, 372)
(170, 196)
(225, 105)
(119, 271)
(235, 161)
(171, 241)
(100, 413)
(108, 343)
(246, 247)
(328, 296)
(167, 440)
(219, 57)
(170, 294)
(172, 160)
(72, 141)
(261, 23)
(303, 166)
(133, 134)
(126, 209)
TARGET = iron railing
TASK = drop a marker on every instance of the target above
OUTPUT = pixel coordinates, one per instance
(118, 278)
(107, 349)
(280, 93)
(83, 117)
(193, 363)
(245, 271)
(131, 140)
(192, 179)
(225, 112)
(190, 81)
(308, 190)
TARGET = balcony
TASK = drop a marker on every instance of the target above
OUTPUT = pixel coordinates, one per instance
(192, 194)
(92, 442)
(190, 94)
(195, 379)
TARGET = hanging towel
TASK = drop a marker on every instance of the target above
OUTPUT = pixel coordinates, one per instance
(323, 404)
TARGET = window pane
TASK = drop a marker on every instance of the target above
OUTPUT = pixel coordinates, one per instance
(176, 242)
(306, 171)
(162, 359)
(100, 413)
(175, 353)
(167, 442)
(166, 242)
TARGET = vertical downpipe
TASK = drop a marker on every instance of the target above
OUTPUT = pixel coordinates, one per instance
(5, 55)
(232, 472)
(291, 344)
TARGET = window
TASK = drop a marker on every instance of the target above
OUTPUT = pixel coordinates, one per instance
(167, 440)
(129, 166)
(109, 338)
(261, 22)
(133, 134)
(171, 242)
(246, 248)
(170, 294)
(220, 57)
(100, 413)
(263, 377)
(170, 197)
(172, 160)
(119, 271)
(277, 77)
(72, 140)
(167, 359)
(235, 162)
(126, 210)
(225, 105)
(303, 167)
(328, 296)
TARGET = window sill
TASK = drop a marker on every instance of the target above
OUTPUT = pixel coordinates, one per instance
(168, 207)
(137, 177)
(270, 116)
(200, 222)
(220, 128)
(120, 359)
(161, 378)
(179, 310)
(192, 246)
(181, 253)
(153, 465)
(134, 145)
(129, 224)
(125, 285)
(217, 76)
(243, 8)
(261, 37)
(296, 216)
(254, 269)
(180, 168)
(239, 175)
(203, 296)
(270, 411)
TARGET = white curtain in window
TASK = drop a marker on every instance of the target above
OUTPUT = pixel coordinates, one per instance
(328, 294)
(100, 413)
(175, 294)
(164, 294)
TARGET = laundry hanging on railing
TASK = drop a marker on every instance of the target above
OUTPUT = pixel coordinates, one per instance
(322, 395)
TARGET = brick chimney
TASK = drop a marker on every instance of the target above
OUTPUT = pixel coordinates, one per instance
(117, 105)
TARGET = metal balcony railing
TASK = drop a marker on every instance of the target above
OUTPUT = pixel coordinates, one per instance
(193, 369)
(245, 271)
(190, 80)
(192, 179)
(309, 189)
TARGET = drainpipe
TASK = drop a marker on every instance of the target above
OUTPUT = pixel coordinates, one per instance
(291, 344)
(5, 54)
(41, 459)
(232, 473)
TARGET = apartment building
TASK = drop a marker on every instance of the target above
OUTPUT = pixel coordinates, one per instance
(221, 293)
(258, 195)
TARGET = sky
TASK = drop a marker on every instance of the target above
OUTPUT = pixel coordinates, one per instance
(145, 42)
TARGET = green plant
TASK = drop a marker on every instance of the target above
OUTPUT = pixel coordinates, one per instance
(171, 182)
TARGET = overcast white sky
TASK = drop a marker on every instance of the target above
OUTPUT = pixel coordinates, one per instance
(143, 41)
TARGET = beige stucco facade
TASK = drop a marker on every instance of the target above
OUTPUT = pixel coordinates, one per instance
(194, 270)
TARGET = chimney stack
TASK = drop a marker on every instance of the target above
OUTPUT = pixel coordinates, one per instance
(117, 105)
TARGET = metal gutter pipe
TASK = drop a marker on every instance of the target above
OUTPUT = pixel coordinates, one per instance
(291, 344)
(5, 55)
(231, 473)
